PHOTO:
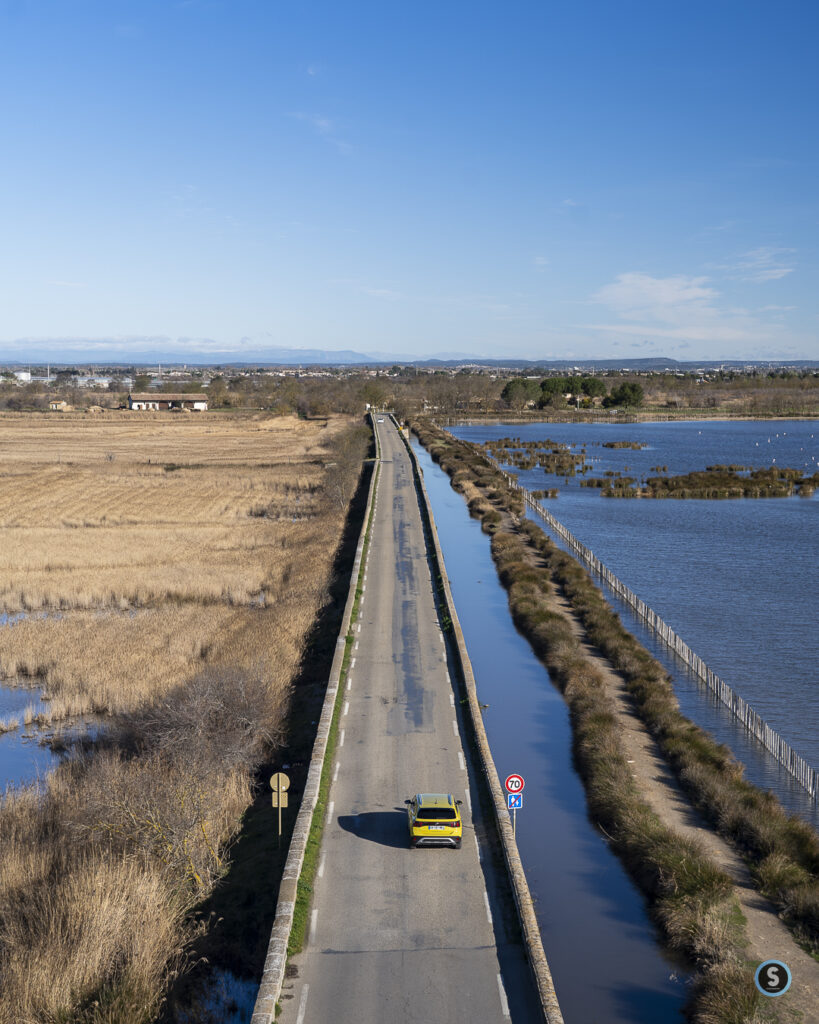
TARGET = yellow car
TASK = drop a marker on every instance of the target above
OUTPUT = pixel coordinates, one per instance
(434, 820)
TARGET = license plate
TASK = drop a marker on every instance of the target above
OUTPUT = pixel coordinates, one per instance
(436, 828)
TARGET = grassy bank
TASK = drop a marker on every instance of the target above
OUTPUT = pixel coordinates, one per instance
(689, 896)
(311, 855)
(782, 850)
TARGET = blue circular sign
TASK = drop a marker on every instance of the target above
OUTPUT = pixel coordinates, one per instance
(773, 978)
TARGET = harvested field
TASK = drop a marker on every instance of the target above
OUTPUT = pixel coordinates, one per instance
(145, 572)
(169, 570)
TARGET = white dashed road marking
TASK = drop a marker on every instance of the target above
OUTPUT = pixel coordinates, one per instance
(330, 807)
(461, 761)
(321, 866)
(488, 911)
(341, 738)
(452, 700)
(503, 999)
(303, 1003)
(468, 801)
(335, 773)
(346, 707)
(454, 727)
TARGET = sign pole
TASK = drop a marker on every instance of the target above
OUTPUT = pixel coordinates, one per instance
(279, 783)
(514, 820)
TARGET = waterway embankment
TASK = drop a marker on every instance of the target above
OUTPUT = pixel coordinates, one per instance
(648, 691)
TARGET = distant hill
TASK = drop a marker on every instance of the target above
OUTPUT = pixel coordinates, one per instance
(74, 352)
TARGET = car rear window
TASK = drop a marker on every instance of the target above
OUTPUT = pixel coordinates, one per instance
(437, 813)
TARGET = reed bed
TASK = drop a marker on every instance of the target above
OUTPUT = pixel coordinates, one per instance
(169, 570)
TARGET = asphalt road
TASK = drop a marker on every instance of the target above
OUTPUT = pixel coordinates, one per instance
(400, 936)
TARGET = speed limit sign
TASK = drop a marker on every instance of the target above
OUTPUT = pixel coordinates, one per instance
(514, 783)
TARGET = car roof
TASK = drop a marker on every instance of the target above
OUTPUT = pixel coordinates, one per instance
(436, 799)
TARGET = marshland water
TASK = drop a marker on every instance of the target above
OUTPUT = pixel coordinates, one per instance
(736, 579)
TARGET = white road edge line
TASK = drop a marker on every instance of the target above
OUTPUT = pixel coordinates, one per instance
(488, 911)
(346, 707)
(330, 807)
(356, 645)
(468, 801)
(313, 919)
(477, 844)
(341, 738)
(454, 727)
(461, 761)
(503, 999)
(358, 627)
(302, 1004)
(452, 700)
(349, 684)
(352, 661)
(321, 866)
(335, 773)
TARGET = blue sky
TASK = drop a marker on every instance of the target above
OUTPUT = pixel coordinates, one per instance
(531, 179)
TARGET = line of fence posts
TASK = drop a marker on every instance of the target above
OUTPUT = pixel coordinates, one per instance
(805, 774)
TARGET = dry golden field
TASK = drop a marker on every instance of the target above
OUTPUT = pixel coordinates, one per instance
(146, 546)
(162, 571)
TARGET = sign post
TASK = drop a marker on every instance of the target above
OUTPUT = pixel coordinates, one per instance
(279, 783)
(514, 799)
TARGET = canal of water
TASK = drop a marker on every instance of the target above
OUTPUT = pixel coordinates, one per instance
(601, 946)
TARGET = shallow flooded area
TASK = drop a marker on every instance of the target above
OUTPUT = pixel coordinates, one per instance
(22, 757)
(600, 943)
(735, 579)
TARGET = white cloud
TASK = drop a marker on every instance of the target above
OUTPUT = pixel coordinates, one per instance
(677, 308)
(540, 261)
(641, 297)
(765, 263)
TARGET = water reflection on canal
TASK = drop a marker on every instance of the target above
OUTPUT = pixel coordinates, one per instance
(601, 947)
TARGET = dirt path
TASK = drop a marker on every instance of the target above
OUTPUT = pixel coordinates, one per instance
(768, 937)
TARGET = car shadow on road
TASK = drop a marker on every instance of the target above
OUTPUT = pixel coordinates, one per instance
(387, 828)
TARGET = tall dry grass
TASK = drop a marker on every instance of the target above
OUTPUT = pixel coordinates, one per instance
(176, 565)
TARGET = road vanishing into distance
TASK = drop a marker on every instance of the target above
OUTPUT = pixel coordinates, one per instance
(400, 936)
